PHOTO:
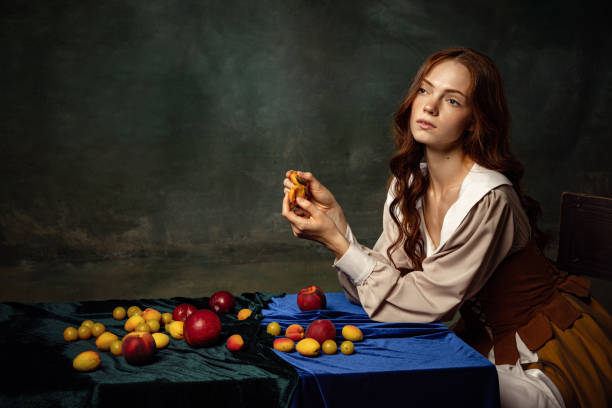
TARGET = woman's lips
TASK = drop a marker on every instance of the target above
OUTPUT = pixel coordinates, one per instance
(423, 124)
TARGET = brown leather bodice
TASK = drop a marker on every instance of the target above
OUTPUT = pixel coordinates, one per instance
(523, 295)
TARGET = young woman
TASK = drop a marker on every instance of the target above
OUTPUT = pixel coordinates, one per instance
(460, 234)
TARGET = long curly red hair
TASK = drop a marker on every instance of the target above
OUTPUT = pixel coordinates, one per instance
(487, 144)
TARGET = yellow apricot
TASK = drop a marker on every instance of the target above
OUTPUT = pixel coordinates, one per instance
(352, 333)
(283, 344)
(176, 329)
(166, 317)
(104, 340)
(161, 340)
(151, 314)
(133, 322)
(244, 314)
(86, 361)
(308, 347)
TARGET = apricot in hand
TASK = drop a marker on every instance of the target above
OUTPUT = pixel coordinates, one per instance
(300, 189)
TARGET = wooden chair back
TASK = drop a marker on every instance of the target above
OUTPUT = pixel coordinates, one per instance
(585, 235)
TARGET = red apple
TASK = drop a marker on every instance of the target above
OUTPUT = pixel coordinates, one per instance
(139, 348)
(182, 311)
(202, 328)
(222, 302)
(311, 298)
(321, 330)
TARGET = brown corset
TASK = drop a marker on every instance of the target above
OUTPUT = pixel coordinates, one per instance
(523, 295)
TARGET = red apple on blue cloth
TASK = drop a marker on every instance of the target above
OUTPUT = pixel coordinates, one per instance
(139, 348)
(182, 311)
(202, 328)
(311, 298)
(222, 302)
(321, 330)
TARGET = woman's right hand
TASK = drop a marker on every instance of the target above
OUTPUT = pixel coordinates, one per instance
(320, 196)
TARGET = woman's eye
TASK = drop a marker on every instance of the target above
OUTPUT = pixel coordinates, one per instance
(421, 90)
(454, 102)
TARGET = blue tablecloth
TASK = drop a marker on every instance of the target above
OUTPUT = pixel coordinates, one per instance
(410, 364)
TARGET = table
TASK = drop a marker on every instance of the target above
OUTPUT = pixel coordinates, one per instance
(411, 364)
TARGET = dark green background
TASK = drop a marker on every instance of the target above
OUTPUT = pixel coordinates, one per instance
(164, 128)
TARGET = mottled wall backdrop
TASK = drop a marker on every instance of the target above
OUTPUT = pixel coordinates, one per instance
(165, 127)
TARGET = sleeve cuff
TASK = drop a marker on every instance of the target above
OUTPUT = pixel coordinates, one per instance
(349, 235)
(355, 263)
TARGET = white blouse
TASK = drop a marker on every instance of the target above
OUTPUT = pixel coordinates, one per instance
(485, 224)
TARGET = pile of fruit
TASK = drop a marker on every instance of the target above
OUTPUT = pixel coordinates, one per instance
(199, 328)
(202, 328)
(319, 335)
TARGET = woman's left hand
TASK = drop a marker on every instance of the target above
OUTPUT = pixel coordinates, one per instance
(315, 225)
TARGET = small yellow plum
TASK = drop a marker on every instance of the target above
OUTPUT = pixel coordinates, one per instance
(347, 347)
(119, 313)
(97, 329)
(142, 327)
(88, 323)
(273, 328)
(153, 325)
(329, 347)
(133, 310)
(84, 332)
(71, 334)
(115, 347)
(166, 317)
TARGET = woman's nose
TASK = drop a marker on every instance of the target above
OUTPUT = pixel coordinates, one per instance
(430, 108)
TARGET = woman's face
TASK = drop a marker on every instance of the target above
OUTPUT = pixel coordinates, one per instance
(441, 110)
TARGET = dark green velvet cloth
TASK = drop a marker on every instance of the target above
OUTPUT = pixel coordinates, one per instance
(38, 372)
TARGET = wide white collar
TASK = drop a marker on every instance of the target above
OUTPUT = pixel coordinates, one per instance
(476, 184)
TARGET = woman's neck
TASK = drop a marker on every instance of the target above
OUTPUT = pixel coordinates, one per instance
(446, 170)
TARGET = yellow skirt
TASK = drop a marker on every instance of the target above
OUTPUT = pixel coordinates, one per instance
(579, 359)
